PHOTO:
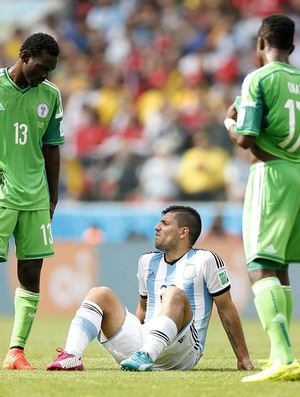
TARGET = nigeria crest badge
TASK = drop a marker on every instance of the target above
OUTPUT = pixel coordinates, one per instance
(42, 110)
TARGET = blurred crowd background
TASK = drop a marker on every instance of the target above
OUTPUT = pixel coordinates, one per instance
(145, 86)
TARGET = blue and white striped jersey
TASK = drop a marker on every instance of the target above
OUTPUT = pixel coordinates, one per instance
(202, 274)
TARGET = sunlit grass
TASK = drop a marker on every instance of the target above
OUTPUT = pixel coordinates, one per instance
(215, 375)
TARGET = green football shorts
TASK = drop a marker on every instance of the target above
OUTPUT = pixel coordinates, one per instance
(271, 216)
(32, 233)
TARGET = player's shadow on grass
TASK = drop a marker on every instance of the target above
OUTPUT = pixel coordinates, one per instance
(113, 368)
(216, 370)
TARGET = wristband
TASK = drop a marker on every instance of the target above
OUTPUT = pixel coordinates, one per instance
(229, 122)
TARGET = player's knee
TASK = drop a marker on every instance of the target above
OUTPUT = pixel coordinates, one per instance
(174, 295)
(100, 295)
(29, 273)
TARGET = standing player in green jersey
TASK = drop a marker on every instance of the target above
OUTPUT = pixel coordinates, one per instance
(30, 132)
(266, 120)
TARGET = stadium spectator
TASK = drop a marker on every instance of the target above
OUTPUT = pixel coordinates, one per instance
(12, 46)
(200, 172)
(90, 135)
(108, 16)
(157, 173)
(167, 125)
(190, 55)
(265, 120)
(117, 178)
(236, 174)
(178, 285)
(93, 235)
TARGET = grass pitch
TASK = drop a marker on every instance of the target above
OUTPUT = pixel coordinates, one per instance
(214, 376)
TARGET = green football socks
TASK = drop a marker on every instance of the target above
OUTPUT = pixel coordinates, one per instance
(287, 289)
(270, 304)
(26, 304)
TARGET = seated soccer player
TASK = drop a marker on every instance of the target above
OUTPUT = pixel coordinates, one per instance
(178, 285)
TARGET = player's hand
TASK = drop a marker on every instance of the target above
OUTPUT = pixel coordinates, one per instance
(231, 112)
(245, 364)
(52, 208)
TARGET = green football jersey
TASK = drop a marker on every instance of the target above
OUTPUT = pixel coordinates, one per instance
(28, 118)
(269, 108)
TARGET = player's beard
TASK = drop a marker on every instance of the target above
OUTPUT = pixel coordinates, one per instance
(158, 245)
(161, 245)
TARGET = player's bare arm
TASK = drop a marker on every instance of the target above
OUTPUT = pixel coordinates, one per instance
(233, 328)
(52, 163)
(141, 309)
(245, 141)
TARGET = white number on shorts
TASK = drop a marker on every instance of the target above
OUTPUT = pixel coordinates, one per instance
(47, 234)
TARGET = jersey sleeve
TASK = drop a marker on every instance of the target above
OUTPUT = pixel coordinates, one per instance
(54, 134)
(250, 106)
(215, 274)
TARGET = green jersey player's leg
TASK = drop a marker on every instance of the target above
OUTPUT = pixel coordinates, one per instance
(35, 246)
(270, 238)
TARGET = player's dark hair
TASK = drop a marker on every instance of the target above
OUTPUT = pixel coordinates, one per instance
(279, 31)
(187, 217)
(39, 42)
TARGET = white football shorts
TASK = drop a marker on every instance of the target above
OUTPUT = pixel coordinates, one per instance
(183, 353)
